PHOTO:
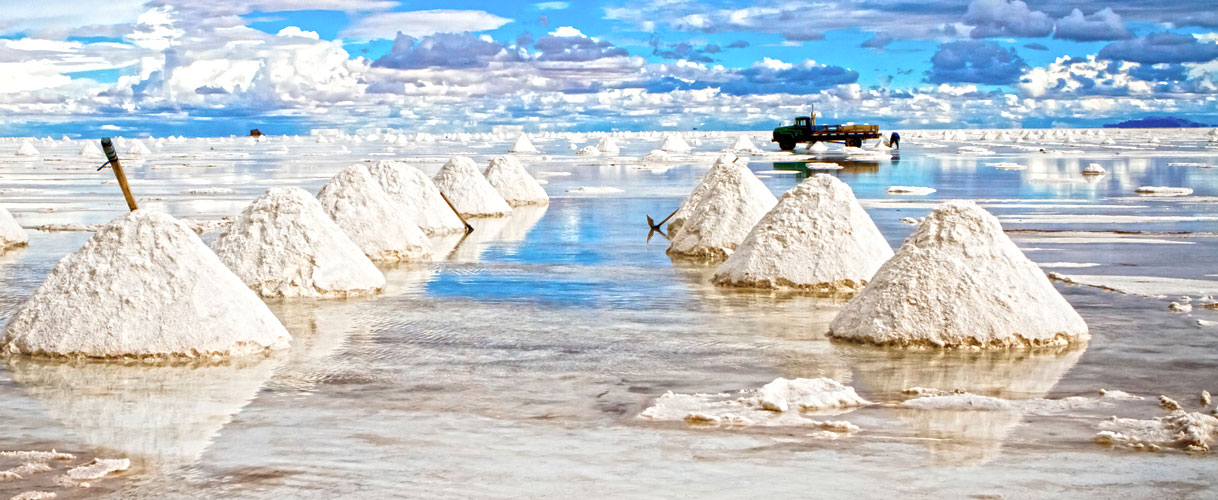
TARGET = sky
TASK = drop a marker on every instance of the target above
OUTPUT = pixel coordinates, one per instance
(221, 67)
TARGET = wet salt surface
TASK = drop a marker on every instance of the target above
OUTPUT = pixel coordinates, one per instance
(515, 366)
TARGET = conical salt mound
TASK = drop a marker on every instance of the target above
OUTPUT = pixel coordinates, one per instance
(513, 182)
(143, 286)
(732, 204)
(744, 145)
(284, 245)
(138, 149)
(417, 199)
(90, 150)
(683, 212)
(468, 190)
(27, 149)
(819, 147)
(673, 143)
(817, 238)
(11, 233)
(608, 146)
(371, 218)
(959, 281)
(523, 145)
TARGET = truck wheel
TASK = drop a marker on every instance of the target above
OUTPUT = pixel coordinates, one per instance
(786, 144)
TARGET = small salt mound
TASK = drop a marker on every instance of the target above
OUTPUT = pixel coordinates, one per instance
(523, 145)
(371, 217)
(818, 238)
(143, 286)
(778, 403)
(1190, 432)
(818, 147)
(1094, 169)
(98, 468)
(673, 143)
(910, 190)
(959, 281)
(588, 151)
(284, 245)
(657, 155)
(1163, 191)
(27, 149)
(468, 190)
(90, 150)
(417, 198)
(685, 210)
(744, 145)
(513, 182)
(11, 233)
(608, 146)
(138, 149)
(733, 202)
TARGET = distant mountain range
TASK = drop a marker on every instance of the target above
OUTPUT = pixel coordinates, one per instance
(1157, 122)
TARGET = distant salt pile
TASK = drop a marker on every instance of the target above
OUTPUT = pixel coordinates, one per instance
(11, 233)
(686, 209)
(284, 245)
(607, 145)
(959, 281)
(138, 149)
(523, 146)
(588, 151)
(731, 204)
(778, 403)
(1190, 432)
(90, 150)
(818, 238)
(744, 145)
(818, 147)
(513, 182)
(468, 190)
(657, 155)
(143, 286)
(673, 143)
(367, 213)
(417, 198)
(1163, 191)
(27, 149)
(910, 190)
(1094, 169)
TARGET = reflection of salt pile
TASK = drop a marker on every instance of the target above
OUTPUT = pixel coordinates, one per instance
(744, 145)
(817, 237)
(27, 149)
(673, 143)
(138, 149)
(608, 146)
(777, 403)
(143, 285)
(284, 245)
(371, 218)
(417, 199)
(960, 281)
(513, 182)
(468, 190)
(523, 145)
(90, 150)
(731, 204)
(167, 414)
(11, 233)
(1191, 432)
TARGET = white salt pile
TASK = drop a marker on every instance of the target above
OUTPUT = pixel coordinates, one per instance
(138, 149)
(417, 199)
(11, 233)
(607, 145)
(468, 190)
(910, 190)
(588, 151)
(744, 145)
(728, 207)
(1163, 191)
(91, 150)
(818, 147)
(513, 182)
(778, 403)
(143, 286)
(1190, 432)
(284, 245)
(959, 281)
(657, 155)
(719, 167)
(371, 218)
(523, 145)
(816, 238)
(673, 143)
(27, 149)
(1094, 169)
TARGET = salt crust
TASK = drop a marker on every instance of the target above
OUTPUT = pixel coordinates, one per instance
(371, 218)
(959, 281)
(778, 403)
(468, 190)
(966, 401)
(910, 190)
(513, 182)
(595, 190)
(1181, 430)
(816, 238)
(143, 286)
(34, 495)
(1163, 191)
(673, 143)
(732, 203)
(11, 233)
(417, 199)
(284, 245)
(98, 468)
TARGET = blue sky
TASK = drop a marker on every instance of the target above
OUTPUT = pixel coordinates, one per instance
(213, 68)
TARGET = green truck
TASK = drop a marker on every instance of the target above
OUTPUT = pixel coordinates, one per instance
(806, 130)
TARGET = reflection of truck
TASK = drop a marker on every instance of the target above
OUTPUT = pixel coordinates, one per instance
(806, 130)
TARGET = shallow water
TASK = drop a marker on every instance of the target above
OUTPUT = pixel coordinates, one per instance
(516, 364)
